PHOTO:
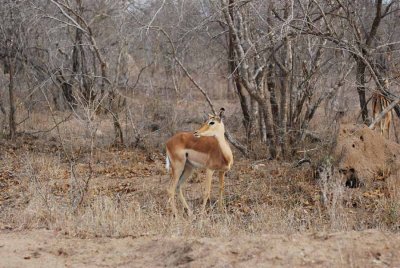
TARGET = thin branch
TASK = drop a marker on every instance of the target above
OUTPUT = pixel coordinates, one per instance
(53, 127)
(384, 112)
(75, 23)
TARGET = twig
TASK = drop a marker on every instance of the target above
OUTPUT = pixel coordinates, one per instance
(383, 113)
(50, 129)
(302, 161)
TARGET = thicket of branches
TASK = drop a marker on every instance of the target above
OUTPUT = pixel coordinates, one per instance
(279, 59)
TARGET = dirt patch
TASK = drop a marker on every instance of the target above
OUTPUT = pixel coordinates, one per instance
(359, 249)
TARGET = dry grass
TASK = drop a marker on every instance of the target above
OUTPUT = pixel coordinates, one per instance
(43, 185)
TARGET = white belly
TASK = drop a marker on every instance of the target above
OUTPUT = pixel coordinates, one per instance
(197, 159)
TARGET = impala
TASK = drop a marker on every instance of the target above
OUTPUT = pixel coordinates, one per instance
(379, 103)
(205, 148)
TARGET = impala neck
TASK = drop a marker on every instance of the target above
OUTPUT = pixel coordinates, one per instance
(223, 144)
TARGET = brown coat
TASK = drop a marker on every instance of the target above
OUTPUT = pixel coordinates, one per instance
(199, 151)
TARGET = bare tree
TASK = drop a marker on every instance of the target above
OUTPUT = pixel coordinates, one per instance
(92, 77)
(13, 28)
(354, 27)
(282, 58)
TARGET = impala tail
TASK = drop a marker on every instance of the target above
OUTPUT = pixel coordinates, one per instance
(167, 162)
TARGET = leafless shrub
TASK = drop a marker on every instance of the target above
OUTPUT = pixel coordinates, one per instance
(158, 69)
(332, 194)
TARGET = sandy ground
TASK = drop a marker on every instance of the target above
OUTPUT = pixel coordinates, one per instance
(42, 248)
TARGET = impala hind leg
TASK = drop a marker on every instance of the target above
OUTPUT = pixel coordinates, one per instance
(177, 169)
(187, 172)
(207, 189)
(221, 202)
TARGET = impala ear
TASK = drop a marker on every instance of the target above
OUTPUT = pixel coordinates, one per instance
(221, 113)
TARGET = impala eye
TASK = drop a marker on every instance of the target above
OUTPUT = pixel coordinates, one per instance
(211, 123)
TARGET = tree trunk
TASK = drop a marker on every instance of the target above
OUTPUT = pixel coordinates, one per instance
(119, 138)
(66, 88)
(283, 113)
(253, 120)
(11, 115)
(272, 98)
(244, 102)
(271, 142)
(262, 126)
(360, 78)
(284, 98)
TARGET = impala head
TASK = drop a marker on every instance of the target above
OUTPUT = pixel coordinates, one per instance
(212, 126)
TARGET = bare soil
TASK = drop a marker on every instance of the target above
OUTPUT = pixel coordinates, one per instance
(40, 248)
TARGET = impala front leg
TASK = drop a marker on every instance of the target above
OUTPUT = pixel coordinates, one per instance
(207, 189)
(221, 202)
